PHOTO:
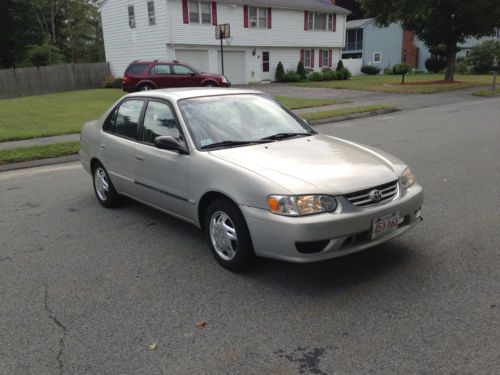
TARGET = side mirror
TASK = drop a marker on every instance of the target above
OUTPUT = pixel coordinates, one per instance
(167, 142)
(192, 74)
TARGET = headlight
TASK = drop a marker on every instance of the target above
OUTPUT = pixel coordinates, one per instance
(298, 205)
(407, 178)
(224, 79)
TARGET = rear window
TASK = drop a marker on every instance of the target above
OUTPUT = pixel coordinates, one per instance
(136, 68)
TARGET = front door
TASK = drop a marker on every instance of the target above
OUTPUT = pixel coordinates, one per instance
(162, 76)
(161, 176)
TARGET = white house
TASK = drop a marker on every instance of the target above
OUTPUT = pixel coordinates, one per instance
(263, 32)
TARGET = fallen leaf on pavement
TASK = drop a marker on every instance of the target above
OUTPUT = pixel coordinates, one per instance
(201, 324)
(153, 346)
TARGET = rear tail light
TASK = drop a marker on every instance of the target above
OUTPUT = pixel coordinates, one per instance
(125, 80)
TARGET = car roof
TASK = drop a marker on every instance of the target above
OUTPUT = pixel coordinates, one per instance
(191, 92)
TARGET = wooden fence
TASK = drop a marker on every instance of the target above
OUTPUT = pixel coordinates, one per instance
(52, 78)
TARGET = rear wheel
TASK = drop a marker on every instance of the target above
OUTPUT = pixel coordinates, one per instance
(104, 189)
(227, 235)
(146, 87)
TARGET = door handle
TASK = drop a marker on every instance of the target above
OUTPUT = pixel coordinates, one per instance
(102, 146)
(139, 158)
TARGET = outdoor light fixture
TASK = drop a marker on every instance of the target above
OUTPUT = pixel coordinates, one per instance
(254, 52)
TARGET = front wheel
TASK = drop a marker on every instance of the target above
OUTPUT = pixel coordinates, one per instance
(227, 235)
(210, 84)
(104, 189)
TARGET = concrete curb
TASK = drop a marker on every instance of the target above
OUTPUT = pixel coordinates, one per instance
(38, 163)
(353, 116)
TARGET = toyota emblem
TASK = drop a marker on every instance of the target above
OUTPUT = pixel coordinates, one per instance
(375, 195)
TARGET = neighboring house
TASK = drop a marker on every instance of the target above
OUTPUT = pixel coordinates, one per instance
(384, 46)
(263, 32)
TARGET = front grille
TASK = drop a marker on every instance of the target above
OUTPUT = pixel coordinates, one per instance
(363, 198)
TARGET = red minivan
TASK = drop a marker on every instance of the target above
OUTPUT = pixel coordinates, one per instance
(150, 75)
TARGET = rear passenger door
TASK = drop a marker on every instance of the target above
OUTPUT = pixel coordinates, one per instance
(117, 143)
(162, 75)
(161, 176)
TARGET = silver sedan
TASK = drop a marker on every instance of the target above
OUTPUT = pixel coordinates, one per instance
(257, 179)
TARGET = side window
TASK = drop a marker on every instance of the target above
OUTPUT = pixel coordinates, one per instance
(159, 120)
(127, 118)
(110, 121)
(181, 70)
(161, 69)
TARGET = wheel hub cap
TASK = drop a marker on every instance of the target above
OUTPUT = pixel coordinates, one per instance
(223, 235)
(101, 183)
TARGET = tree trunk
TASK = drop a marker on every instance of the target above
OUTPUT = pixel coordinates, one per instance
(451, 56)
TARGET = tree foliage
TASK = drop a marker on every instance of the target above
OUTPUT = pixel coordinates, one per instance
(485, 57)
(447, 22)
(30, 28)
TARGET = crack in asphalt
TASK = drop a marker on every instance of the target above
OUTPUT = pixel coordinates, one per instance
(60, 325)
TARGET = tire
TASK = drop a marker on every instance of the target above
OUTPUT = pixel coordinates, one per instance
(146, 87)
(210, 84)
(227, 235)
(103, 187)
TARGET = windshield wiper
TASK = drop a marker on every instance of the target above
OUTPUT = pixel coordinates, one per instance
(233, 143)
(279, 136)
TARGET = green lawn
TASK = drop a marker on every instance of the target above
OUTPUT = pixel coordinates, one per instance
(53, 114)
(38, 152)
(392, 83)
(311, 116)
(298, 103)
(487, 93)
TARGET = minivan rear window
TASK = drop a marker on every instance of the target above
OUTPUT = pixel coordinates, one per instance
(136, 68)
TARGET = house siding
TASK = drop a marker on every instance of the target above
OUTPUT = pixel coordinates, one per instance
(283, 41)
(387, 40)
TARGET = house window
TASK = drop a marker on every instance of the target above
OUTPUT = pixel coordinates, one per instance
(131, 16)
(151, 13)
(320, 21)
(257, 17)
(200, 12)
(377, 57)
(325, 57)
(265, 62)
(308, 58)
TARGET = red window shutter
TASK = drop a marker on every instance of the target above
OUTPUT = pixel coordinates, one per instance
(306, 20)
(269, 18)
(312, 58)
(185, 12)
(214, 13)
(334, 23)
(330, 55)
(320, 58)
(302, 56)
(245, 16)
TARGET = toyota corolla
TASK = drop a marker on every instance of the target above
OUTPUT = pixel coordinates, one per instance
(256, 178)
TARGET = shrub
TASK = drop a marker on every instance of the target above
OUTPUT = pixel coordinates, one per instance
(482, 56)
(112, 82)
(370, 69)
(316, 76)
(340, 66)
(400, 69)
(280, 72)
(435, 64)
(327, 76)
(326, 70)
(343, 74)
(291, 76)
(462, 66)
(301, 71)
(388, 71)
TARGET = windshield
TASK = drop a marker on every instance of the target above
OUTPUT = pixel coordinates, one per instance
(238, 120)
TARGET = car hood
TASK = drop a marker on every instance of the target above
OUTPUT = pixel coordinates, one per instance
(316, 164)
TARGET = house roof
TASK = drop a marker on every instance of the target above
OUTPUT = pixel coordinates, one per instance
(356, 24)
(312, 5)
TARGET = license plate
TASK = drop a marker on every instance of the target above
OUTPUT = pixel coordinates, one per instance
(385, 224)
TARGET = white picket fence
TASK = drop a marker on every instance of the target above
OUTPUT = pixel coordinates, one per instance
(354, 65)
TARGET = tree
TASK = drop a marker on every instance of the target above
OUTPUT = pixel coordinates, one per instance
(280, 72)
(301, 70)
(447, 22)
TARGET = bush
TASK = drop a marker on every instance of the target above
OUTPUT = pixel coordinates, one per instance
(435, 64)
(482, 57)
(388, 71)
(326, 70)
(370, 69)
(280, 72)
(343, 74)
(301, 71)
(316, 76)
(41, 55)
(112, 82)
(462, 66)
(291, 76)
(340, 66)
(327, 76)
(400, 69)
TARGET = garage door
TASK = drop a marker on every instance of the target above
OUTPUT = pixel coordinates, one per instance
(195, 58)
(234, 66)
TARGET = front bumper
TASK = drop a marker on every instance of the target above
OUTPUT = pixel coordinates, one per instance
(345, 231)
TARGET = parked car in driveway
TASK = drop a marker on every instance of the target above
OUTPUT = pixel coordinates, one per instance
(150, 75)
(257, 179)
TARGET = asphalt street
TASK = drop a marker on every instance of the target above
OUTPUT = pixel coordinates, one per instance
(85, 290)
